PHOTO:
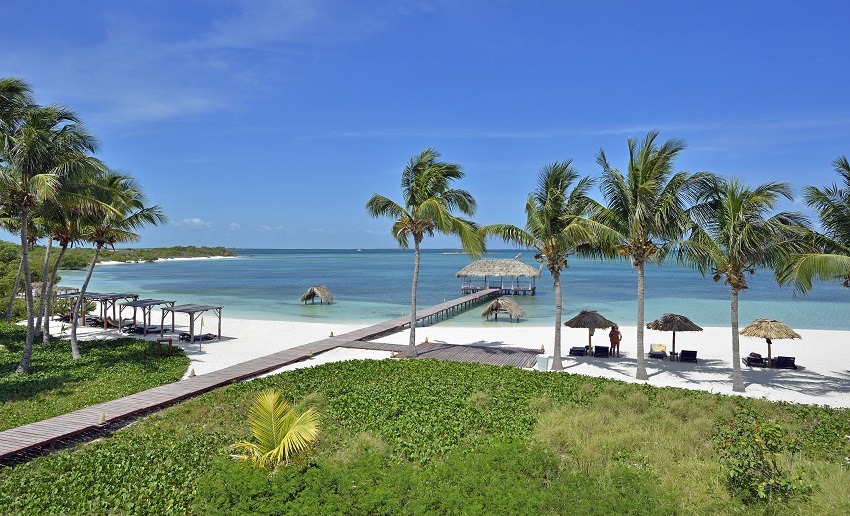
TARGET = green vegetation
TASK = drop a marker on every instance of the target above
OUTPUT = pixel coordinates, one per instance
(415, 437)
(57, 384)
(80, 258)
(280, 430)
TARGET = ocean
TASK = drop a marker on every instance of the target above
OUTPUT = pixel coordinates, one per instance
(373, 285)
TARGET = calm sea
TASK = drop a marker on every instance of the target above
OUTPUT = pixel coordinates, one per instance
(374, 285)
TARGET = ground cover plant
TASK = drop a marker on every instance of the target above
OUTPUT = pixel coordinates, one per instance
(56, 384)
(416, 437)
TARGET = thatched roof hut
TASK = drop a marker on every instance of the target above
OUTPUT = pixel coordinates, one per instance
(591, 320)
(494, 271)
(503, 305)
(319, 291)
(769, 329)
(498, 267)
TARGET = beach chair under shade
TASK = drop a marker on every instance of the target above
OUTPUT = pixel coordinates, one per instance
(688, 356)
(578, 351)
(784, 363)
(658, 351)
(601, 351)
(754, 360)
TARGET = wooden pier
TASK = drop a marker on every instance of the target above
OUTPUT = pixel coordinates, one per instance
(15, 443)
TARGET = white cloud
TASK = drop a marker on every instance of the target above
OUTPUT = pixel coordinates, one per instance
(234, 226)
(194, 222)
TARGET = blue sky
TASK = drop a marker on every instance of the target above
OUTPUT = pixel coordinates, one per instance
(271, 123)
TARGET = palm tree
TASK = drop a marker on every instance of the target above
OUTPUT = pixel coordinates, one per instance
(647, 208)
(127, 213)
(427, 207)
(558, 223)
(15, 97)
(39, 152)
(831, 258)
(734, 234)
(279, 429)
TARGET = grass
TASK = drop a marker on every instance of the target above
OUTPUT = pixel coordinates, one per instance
(57, 384)
(417, 437)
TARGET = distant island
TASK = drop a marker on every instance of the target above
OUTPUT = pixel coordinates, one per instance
(80, 258)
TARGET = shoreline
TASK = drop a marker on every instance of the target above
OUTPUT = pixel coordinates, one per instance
(190, 258)
(823, 356)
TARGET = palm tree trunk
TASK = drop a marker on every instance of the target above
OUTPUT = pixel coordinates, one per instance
(24, 364)
(737, 378)
(45, 271)
(559, 306)
(47, 307)
(14, 291)
(416, 240)
(641, 358)
(75, 350)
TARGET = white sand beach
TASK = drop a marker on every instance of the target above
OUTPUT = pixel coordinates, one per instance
(822, 357)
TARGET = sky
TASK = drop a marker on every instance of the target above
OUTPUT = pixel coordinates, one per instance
(271, 123)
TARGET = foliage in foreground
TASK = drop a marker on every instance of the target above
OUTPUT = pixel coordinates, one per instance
(415, 437)
(56, 384)
(280, 430)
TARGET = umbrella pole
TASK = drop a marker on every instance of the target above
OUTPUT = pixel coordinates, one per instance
(589, 336)
(674, 341)
(769, 358)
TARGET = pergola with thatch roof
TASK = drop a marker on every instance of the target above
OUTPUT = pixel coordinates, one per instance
(505, 306)
(499, 273)
(318, 291)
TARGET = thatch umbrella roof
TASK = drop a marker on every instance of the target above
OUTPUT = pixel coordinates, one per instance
(503, 305)
(674, 323)
(319, 291)
(591, 320)
(769, 329)
(498, 267)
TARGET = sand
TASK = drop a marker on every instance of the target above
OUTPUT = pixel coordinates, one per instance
(823, 357)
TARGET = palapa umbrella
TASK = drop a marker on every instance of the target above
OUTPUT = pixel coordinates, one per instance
(591, 320)
(674, 323)
(503, 305)
(769, 329)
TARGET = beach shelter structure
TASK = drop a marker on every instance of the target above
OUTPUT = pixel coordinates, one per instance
(194, 311)
(147, 306)
(591, 320)
(674, 323)
(106, 300)
(769, 329)
(509, 276)
(319, 291)
(503, 305)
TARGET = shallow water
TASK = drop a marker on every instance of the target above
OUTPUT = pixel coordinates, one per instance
(374, 285)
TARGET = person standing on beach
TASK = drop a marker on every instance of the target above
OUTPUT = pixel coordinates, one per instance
(615, 337)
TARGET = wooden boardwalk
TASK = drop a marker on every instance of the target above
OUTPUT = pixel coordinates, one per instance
(17, 441)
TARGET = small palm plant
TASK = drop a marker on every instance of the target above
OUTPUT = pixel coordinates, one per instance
(279, 429)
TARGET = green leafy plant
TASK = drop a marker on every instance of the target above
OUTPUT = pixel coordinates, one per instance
(280, 430)
(756, 455)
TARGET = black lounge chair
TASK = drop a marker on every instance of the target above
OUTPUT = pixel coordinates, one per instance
(784, 363)
(601, 351)
(578, 351)
(658, 351)
(754, 360)
(688, 356)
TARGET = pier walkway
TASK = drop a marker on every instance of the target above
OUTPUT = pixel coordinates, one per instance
(16, 442)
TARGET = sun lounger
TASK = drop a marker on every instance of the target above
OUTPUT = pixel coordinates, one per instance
(688, 356)
(601, 351)
(578, 351)
(784, 363)
(658, 351)
(206, 336)
(754, 360)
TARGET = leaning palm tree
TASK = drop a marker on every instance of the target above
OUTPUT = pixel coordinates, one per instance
(39, 152)
(127, 213)
(428, 203)
(558, 222)
(647, 208)
(734, 234)
(830, 260)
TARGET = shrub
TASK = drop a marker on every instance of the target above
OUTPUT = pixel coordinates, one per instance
(756, 455)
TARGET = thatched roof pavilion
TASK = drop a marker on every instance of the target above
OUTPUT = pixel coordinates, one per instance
(590, 319)
(769, 329)
(319, 291)
(674, 323)
(491, 268)
(503, 305)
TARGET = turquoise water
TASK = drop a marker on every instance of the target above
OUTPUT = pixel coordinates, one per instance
(374, 285)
